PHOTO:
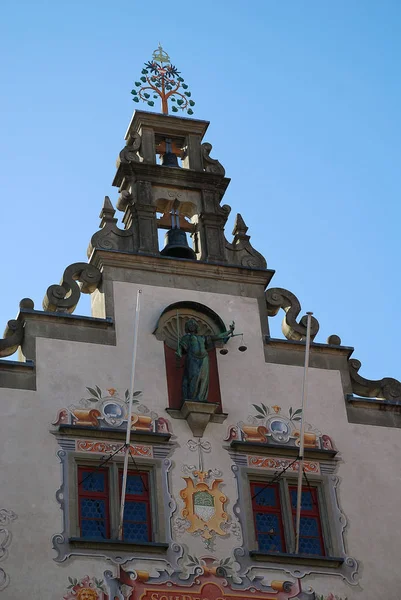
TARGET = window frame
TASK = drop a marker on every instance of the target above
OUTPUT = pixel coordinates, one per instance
(318, 484)
(151, 467)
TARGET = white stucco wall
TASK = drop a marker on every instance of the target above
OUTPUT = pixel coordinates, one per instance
(30, 470)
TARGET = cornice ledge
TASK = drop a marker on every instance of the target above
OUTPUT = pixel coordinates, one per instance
(53, 317)
(162, 175)
(178, 266)
(299, 346)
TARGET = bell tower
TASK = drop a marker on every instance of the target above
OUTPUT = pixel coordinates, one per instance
(168, 180)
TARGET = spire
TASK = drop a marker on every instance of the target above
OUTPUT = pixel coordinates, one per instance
(240, 228)
(107, 213)
(160, 79)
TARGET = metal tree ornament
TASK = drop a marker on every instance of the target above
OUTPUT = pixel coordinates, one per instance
(160, 79)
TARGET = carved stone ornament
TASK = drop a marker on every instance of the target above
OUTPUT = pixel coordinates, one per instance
(13, 336)
(130, 153)
(111, 237)
(211, 165)
(65, 297)
(277, 298)
(14, 332)
(387, 388)
(240, 251)
(6, 518)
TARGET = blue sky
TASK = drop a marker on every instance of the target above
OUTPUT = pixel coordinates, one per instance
(304, 101)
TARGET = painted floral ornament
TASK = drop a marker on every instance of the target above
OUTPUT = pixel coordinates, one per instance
(86, 589)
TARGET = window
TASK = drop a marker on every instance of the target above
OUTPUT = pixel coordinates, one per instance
(275, 524)
(310, 530)
(99, 507)
(137, 518)
(267, 517)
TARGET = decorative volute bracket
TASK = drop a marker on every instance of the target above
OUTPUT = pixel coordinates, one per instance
(277, 298)
(211, 165)
(13, 336)
(387, 388)
(240, 251)
(111, 237)
(65, 297)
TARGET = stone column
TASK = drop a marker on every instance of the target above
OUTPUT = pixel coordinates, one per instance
(145, 217)
(193, 158)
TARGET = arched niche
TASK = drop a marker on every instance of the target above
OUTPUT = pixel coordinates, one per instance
(170, 325)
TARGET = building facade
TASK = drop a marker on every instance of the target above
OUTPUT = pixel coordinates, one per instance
(215, 424)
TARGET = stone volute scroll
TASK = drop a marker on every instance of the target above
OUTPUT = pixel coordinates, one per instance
(387, 389)
(131, 152)
(240, 251)
(111, 237)
(211, 165)
(292, 329)
(65, 296)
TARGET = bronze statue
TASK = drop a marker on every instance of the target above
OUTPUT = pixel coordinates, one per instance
(195, 383)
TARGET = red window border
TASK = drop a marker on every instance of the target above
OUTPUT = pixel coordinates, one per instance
(145, 497)
(268, 509)
(314, 512)
(90, 494)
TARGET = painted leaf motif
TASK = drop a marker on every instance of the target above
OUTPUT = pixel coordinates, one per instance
(297, 412)
(290, 411)
(259, 417)
(265, 408)
(260, 410)
(99, 391)
(93, 392)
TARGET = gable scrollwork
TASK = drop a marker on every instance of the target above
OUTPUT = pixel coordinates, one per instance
(14, 332)
(211, 165)
(292, 329)
(12, 338)
(240, 251)
(130, 153)
(65, 296)
(386, 389)
(111, 237)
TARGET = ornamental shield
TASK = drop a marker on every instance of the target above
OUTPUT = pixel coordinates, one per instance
(204, 505)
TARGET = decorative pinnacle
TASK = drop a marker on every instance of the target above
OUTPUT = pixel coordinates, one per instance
(159, 55)
(163, 81)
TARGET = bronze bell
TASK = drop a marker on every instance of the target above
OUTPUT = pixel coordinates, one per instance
(170, 160)
(176, 245)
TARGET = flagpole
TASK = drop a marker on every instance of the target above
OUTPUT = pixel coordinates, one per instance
(129, 417)
(302, 432)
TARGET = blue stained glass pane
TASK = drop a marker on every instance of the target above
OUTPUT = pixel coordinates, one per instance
(93, 508)
(307, 500)
(266, 523)
(310, 546)
(93, 528)
(92, 481)
(269, 543)
(135, 484)
(264, 496)
(135, 511)
(136, 532)
(308, 526)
